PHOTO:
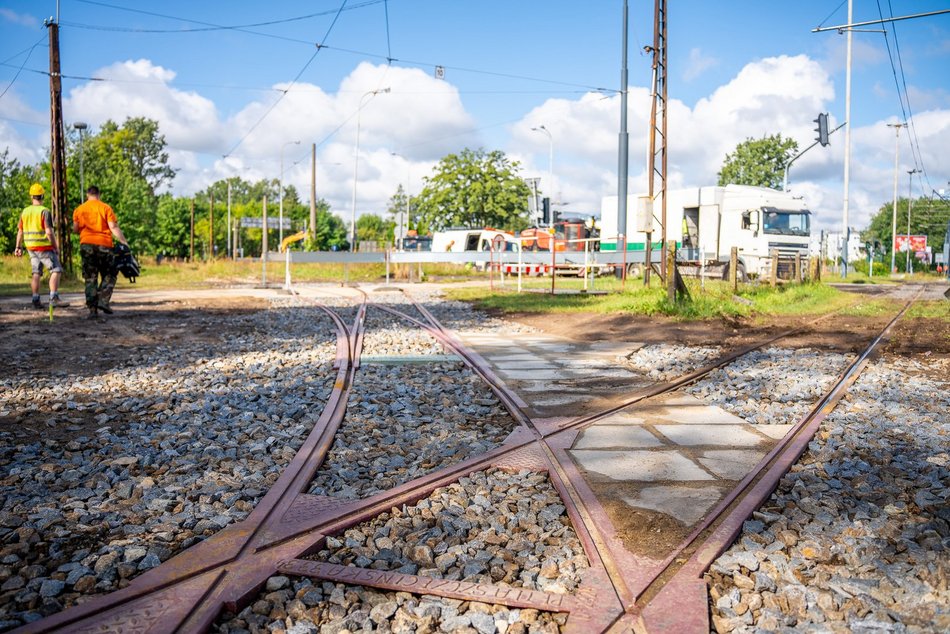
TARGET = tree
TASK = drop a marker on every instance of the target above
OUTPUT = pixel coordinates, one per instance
(758, 162)
(15, 180)
(928, 216)
(474, 188)
(373, 227)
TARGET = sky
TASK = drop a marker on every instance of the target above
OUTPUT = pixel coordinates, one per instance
(241, 88)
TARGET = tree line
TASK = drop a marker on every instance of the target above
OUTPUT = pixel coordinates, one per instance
(470, 188)
(130, 165)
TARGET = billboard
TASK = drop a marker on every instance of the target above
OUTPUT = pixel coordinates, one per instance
(917, 243)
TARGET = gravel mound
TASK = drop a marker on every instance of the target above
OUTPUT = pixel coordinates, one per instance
(387, 334)
(665, 362)
(772, 386)
(301, 606)
(405, 421)
(489, 527)
(857, 535)
(190, 439)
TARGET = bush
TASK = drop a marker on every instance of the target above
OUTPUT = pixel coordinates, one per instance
(861, 266)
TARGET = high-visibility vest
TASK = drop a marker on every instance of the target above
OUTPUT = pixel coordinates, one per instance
(34, 235)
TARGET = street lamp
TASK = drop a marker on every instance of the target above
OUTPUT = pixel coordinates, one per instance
(910, 180)
(541, 128)
(280, 193)
(356, 162)
(79, 125)
(404, 223)
(897, 129)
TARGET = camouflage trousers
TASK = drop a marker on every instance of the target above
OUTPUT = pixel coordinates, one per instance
(97, 261)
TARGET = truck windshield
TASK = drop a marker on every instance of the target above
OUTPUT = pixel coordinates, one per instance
(789, 223)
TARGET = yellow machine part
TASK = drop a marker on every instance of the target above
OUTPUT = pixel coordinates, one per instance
(289, 240)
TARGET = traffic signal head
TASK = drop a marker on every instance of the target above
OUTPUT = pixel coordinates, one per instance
(546, 210)
(822, 128)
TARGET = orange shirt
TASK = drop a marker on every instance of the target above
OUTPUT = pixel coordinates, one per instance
(93, 218)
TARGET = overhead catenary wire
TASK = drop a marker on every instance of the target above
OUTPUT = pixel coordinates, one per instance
(918, 157)
(291, 85)
(29, 52)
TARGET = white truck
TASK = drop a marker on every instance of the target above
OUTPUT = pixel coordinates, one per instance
(757, 220)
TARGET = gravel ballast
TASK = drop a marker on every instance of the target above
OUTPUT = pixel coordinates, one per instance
(491, 527)
(190, 438)
(857, 535)
(772, 386)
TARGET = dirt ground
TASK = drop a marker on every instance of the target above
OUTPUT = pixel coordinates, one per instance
(31, 345)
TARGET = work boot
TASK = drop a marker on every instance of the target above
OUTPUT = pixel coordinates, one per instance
(37, 304)
(57, 302)
(105, 308)
(93, 313)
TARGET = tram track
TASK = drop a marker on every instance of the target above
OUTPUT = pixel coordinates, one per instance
(215, 573)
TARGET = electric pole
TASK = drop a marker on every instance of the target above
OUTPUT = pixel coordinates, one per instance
(191, 250)
(211, 230)
(313, 192)
(58, 200)
(897, 129)
(658, 128)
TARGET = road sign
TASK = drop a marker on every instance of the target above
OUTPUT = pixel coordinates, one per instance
(257, 223)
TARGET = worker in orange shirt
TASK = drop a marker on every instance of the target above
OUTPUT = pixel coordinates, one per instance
(96, 224)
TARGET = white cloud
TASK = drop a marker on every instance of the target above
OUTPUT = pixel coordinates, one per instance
(22, 19)
(141, 89)
(773, 95)
(697, 64)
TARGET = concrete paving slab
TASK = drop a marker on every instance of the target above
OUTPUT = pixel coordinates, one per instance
(616, 436)
(699, 414)
(503, 357)
(621, 418)
(644, 466)
(535, 386)
(731, 464)
(774, 431)
(533, 375)
(686, 504)
(558, 400)
(678, 399)
(724, 435)
(616, 347)
(527, 364)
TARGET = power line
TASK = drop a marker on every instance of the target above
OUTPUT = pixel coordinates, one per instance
(918, 159)
(284, 93)
(389, 48)
(20, 69)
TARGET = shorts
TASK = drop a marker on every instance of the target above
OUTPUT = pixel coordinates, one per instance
(48, 259)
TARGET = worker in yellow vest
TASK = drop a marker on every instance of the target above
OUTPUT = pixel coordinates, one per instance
(35, 232)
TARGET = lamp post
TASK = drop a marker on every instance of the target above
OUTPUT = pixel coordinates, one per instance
(910, 181)
(541, 128)
(356, 162)
(897, 129)
(79, 125)
(280, 193)
(404, 222)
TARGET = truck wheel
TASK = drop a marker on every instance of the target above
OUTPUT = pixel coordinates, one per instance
(740, 273)
(634, 270)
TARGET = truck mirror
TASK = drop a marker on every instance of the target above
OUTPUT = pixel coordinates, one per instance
(746, 219)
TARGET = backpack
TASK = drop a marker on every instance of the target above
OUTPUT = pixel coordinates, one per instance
(124, 262)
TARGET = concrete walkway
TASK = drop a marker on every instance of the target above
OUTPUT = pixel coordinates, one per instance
(674, 455)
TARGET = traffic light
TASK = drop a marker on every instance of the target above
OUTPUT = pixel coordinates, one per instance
(822, 128)
(546, 211)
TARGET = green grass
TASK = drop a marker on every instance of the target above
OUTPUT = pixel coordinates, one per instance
(15, 274)
(931, 309)
(714, 301)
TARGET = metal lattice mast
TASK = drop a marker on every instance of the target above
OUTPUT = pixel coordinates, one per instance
(658, 144)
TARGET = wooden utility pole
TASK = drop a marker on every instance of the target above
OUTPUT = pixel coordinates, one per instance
(58, 200)
(658, 146)
(313, 191)
(191, 250)
(211, 230)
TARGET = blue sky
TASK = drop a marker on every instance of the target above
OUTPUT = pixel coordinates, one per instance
(737, 69)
